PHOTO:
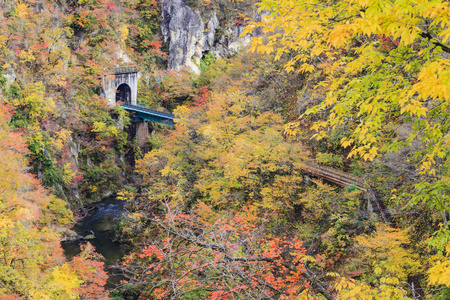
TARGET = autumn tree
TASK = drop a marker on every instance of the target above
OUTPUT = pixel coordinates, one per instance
(382, 62)
(58, 53)
(381, 70)
(386, 256)
(208, 256)
(32, 221)
(227, 154)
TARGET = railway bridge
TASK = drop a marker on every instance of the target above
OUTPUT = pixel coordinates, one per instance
(121, 87)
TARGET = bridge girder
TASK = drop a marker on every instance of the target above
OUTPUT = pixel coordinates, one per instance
(145, 114)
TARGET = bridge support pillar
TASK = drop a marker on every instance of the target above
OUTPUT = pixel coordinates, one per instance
(142, 134)
(140, 131)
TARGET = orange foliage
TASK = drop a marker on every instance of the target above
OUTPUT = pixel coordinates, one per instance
(90, 270)
(31, 219)
(226, 258)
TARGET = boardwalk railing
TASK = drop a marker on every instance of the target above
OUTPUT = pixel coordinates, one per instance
(345, 179)
(335, 176)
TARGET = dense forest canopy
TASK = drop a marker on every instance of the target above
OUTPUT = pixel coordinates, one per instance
(229, 203)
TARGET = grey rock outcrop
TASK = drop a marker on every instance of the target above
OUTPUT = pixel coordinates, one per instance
(183, 28)
(189, 38)
(10, 76)
(209, 35)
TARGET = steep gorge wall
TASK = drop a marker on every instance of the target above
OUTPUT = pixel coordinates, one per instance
(52, 56)
(77, 143)
(190, 34)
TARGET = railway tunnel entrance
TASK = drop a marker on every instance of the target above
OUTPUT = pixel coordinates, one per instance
(123, 93)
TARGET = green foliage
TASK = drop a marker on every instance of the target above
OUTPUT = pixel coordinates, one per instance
(435, 195)
(3, 81)
(333, 215)
(356, 167)
(330, 160)
(211, 69)
(38, 145)
(14, 90)
(100, 178)
(440, 239)
(195, 3)
(442, 294)
(197, 294)
(156, 141)
(148, 93)
(115, 295)
(207, 60)
(336, 238)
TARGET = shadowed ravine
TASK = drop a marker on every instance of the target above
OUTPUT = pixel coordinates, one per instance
(100, 223)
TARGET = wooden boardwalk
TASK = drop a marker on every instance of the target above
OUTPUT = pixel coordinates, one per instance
(336, 176)
(346, 179)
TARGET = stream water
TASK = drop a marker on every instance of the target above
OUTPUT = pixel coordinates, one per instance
(100, 222)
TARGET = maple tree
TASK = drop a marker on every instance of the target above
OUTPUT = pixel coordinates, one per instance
(226, 153)
(32, 220)
(382, 61)
(380, 71)
(208, 256)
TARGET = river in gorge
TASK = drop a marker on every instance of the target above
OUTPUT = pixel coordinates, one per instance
(100, 223)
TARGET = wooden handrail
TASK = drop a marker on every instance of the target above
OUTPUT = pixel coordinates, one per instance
(346, 179)
(336, 175)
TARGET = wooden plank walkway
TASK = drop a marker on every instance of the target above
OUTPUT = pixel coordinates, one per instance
(336, 176)
(346, 179)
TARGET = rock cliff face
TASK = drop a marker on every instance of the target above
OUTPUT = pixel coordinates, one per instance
(189, 37)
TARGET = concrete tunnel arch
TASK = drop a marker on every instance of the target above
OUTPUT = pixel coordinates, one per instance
(121, 86)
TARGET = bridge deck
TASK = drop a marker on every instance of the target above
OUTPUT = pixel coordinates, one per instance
(345, 179)
(335, 176)
(145, 114)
